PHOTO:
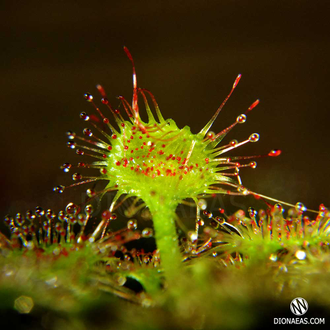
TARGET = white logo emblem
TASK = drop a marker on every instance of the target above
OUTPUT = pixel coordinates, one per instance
(299, 306)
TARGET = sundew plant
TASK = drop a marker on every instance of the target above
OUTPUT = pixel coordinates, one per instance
(63, 261)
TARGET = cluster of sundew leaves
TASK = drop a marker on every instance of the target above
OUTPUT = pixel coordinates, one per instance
(293, 244)
(57, 256)
(50, 261)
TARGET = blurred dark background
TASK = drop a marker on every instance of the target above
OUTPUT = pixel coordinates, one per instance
(188, 54)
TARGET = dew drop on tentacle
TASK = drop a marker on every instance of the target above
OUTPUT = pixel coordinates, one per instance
(59, 189)
(222, 211)
(220, 220)
(14, 231)
(253, 164)
(300, 207)
(88, 132)
(89, 209)
(273, 257)
(39, 211)
(66, 167)
(71, 144)
(61, 216)
(82, 219)
(104, 100)
(300, 255)
(72, 220)
(19, 219)
(76, 176)
(306, 220)
(90, 192)
(210, 135)
(71, 135)
(132, 224)
(81, 164)
(50, 215)
(29, 215)
(72, 209)
(322, 208)
(254, 137)
(200, 222)
(107, 215)
(58, 227)
(208, 214)
(241, 119)
(84, 116)
(233, 143)
(278, 208)
(88, 97)
(202, 204)
(25, 229)
(45, 225)
(192, 235)
(147, 232)
(243, 190)
(8, 220)
(252, 212)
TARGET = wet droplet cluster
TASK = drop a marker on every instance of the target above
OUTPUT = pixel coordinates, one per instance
(286, 237)
(43, 228)
(43, 239)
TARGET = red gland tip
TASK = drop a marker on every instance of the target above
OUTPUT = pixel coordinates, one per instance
(238, 78)
(101, 90)
(106, 215)
(253, 105)
(94, 118)
(274, 153)
(128, 53)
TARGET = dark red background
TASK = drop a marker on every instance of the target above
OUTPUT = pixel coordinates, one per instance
(188, 53)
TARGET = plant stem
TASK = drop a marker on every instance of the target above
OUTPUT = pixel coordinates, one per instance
(163, 215)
